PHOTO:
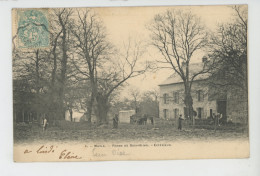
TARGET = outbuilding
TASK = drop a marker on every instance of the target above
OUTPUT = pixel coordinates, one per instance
(124, 116)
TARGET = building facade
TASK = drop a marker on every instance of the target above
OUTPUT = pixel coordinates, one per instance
(172, 100)
(207, 100)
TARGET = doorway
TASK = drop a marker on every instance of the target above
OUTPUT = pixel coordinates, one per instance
(200, 112)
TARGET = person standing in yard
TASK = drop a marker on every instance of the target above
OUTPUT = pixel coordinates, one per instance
(45, 123)
(115, 121)
(180, 122)
(220, 119)
(216, 120)
(151, 120)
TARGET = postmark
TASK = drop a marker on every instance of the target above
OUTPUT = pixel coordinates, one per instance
(33, 28)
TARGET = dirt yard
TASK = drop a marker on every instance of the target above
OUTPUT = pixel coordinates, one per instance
(161, 130)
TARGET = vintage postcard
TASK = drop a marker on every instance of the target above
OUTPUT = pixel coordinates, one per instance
(130, 83)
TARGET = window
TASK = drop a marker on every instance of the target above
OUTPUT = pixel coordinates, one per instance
(200, 95)
(176, 113)
(165, 112)
(176, 97)
(165, 98)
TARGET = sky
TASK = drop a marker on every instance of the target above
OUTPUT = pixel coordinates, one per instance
(123, 23)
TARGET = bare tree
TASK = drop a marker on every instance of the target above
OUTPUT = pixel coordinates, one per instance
(177, 36)
(91, 47)
(135, 94)
(63, 20)
(156, 95)
(229, 50)
(115, 74)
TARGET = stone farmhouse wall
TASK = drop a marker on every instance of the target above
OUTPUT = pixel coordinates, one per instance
(237, 106)
(170, 106)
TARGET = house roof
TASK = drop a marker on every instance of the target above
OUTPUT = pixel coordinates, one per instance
(194, 68)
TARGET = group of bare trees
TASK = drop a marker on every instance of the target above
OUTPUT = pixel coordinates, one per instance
(80, 69)
(143, 102)
(83, 69)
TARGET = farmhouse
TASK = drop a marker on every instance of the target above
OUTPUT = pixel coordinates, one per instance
(207, 99)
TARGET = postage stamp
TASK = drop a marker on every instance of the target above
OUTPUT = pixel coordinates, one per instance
(33, 28)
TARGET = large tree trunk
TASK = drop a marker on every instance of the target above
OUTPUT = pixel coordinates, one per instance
(93, 74)
(188, 98)
(63, 71)
(103, 108)
(188, 101)
(53, 95)
(37, 62)
(89, 107)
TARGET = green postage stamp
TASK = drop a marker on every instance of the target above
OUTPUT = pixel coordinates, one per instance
(33, 28)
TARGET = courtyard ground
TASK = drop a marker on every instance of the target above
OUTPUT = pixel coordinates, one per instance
(161, 130)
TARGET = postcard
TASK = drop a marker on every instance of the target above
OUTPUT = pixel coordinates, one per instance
(130, 83)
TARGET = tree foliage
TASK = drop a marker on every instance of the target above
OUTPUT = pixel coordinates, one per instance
(229, 49)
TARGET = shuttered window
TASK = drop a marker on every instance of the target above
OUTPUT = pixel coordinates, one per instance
(165, 98)
(176, 97)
